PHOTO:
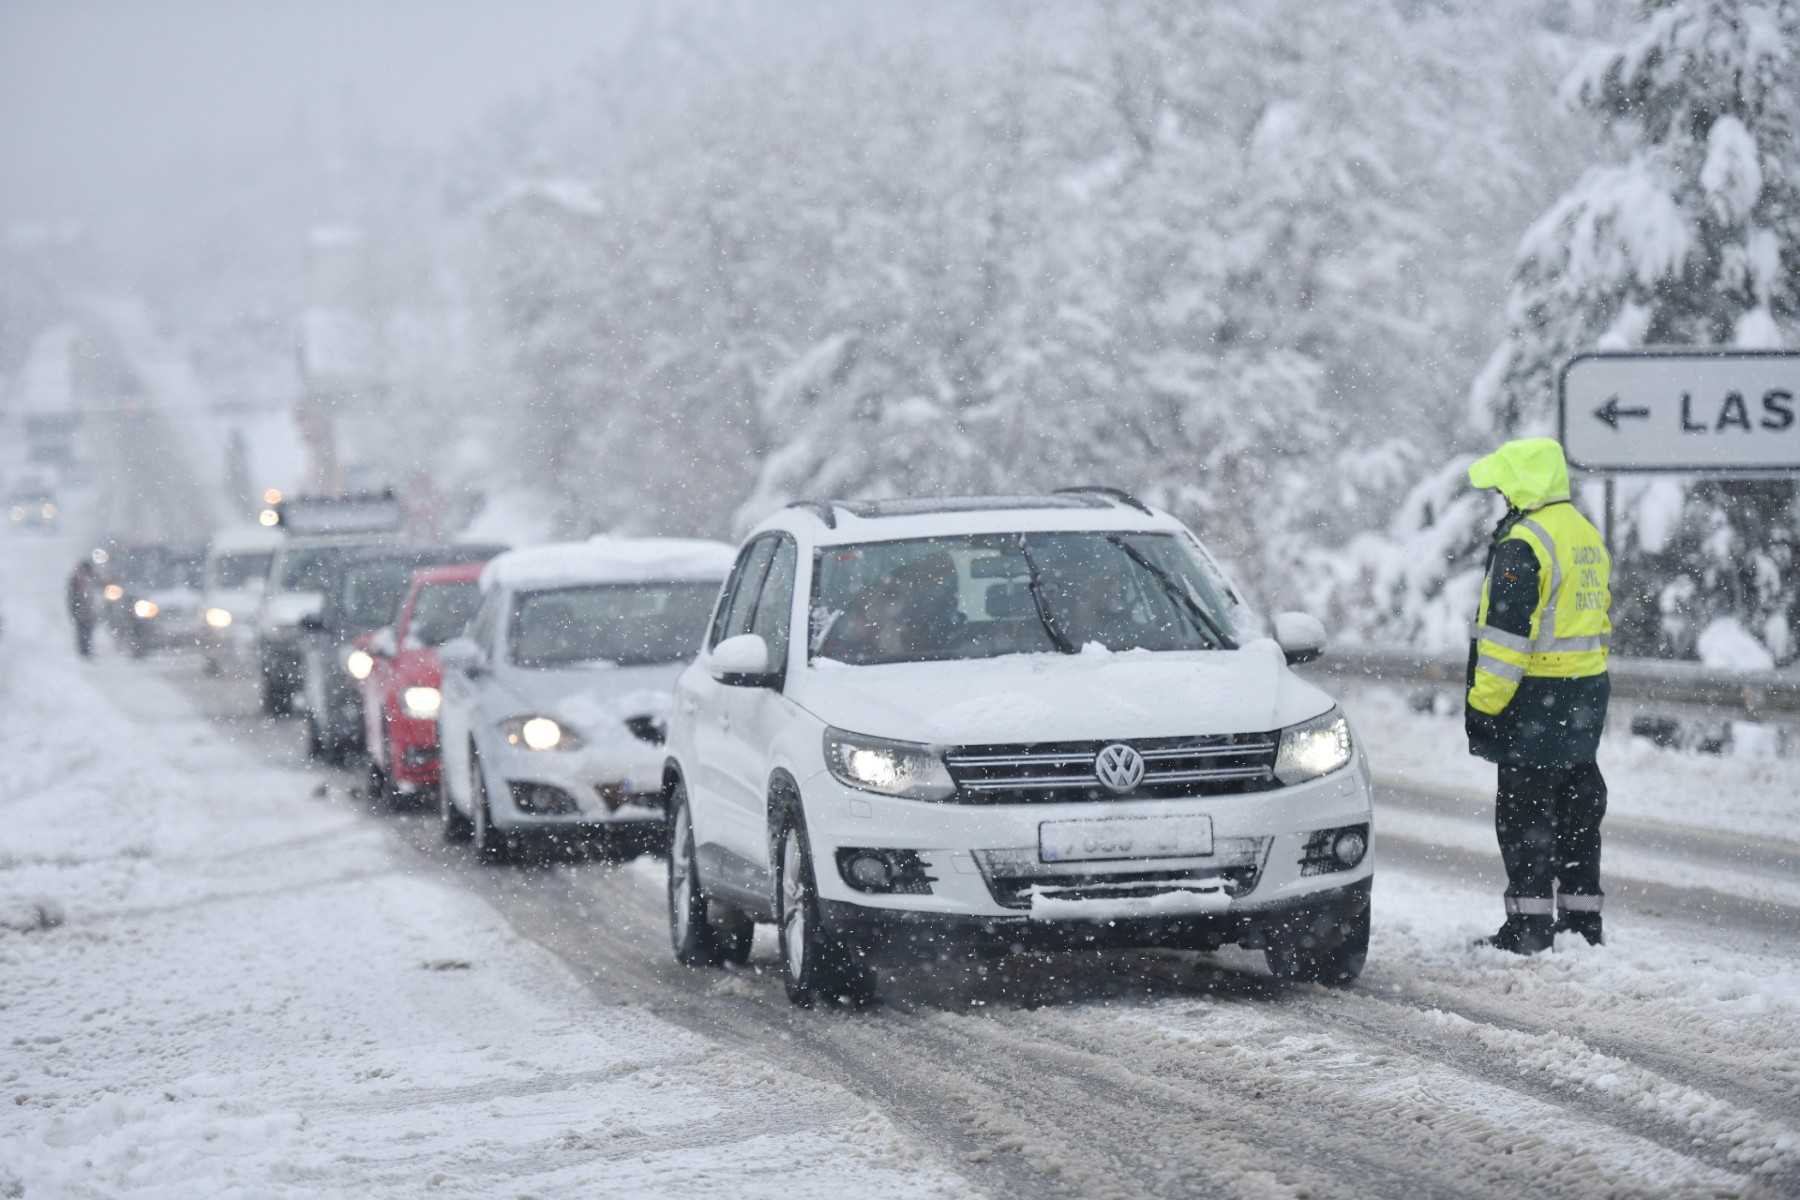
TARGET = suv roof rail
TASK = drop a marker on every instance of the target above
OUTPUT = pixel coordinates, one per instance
(1119, 494)
(819, 508)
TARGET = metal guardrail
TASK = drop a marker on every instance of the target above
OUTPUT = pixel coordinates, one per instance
(1646, 680)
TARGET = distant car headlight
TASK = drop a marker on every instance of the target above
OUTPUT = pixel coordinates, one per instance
(539, 733)
(421, 702)
(1313, 748)
(218, 618)
(49, 511)
(891, 768)
(18, 512)
(359, 663)
(113, 591)
(268, 518)
(145, 609)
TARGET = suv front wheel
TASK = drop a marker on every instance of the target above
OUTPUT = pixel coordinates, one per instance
(814, 965)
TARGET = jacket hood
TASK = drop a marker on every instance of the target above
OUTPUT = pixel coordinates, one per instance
(1530, 473)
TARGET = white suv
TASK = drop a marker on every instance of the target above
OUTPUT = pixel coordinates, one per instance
(1018, 721)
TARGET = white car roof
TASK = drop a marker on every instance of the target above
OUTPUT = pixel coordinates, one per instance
(894, 520)
(609, 559)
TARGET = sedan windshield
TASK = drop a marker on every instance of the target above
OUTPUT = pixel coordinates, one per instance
(935, 599)
(441, 611)
(625, 624)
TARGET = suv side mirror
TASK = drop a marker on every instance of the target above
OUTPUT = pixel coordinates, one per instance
(741, 661)
(1301, 637)
(460, 654)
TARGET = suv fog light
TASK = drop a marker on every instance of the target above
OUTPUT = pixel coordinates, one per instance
(1349, 847)
(868, 871)
(893, 872)
(1328, 851)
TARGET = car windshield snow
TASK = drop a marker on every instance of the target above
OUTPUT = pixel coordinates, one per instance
(981, 596)
(625, 624)
(441, 612)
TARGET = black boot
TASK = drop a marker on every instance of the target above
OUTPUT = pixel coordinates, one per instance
(1521, 935)
(1587, 924)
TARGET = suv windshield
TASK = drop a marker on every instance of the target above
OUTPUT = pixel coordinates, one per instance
(625, 624)
(237, 570)
(441, 611)
(936, 599)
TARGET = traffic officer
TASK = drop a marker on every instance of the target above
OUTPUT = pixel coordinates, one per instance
(1537, 694)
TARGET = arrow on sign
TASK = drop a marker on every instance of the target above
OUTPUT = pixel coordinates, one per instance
(1610, 412)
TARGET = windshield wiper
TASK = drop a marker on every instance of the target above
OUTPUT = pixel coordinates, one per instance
(1174, 591)
(1035, 584)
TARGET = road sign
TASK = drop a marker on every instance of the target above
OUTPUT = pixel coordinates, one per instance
(1720, 412)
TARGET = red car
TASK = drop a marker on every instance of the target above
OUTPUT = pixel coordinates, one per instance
(400, 692)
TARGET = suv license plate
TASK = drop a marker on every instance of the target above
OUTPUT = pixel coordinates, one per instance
(1125, 837)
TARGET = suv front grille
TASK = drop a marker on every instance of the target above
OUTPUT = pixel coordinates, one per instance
(1063, 772)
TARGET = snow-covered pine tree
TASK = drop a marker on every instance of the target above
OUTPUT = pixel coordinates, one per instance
(1692, 240)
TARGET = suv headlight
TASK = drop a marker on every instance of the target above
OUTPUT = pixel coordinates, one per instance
(359, 663)
(539, 733)
(891, 768)
(1313, 748)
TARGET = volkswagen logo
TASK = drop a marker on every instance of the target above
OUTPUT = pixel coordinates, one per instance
(1119, 768)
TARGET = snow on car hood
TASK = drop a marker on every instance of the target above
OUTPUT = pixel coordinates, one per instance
(1065, 697)
(597, 700)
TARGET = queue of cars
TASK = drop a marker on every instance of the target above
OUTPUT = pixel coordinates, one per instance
(891, 729)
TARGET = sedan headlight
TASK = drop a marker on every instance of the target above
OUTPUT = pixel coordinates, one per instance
(218, 618)
(359, 663)
(539, 733)
(421, 702)
(1313, 748)
(145, 609)
(113, 591)
(891, 768)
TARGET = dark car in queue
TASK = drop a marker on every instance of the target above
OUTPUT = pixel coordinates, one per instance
(151, 595)
(360, 593)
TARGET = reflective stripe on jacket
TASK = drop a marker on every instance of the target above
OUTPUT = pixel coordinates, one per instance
(1569, 635)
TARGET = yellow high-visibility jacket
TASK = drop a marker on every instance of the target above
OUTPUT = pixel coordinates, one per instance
(1543, 633)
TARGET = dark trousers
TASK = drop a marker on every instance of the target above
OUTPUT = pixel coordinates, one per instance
(84, 638)
(1548, 819)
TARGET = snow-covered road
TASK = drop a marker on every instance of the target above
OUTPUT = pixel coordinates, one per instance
(220, 973)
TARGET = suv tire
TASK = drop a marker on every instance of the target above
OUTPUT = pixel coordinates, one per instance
(696, 939)
(814, 965)
(1335, 963)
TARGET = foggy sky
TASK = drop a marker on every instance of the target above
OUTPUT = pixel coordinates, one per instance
(101, 97)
